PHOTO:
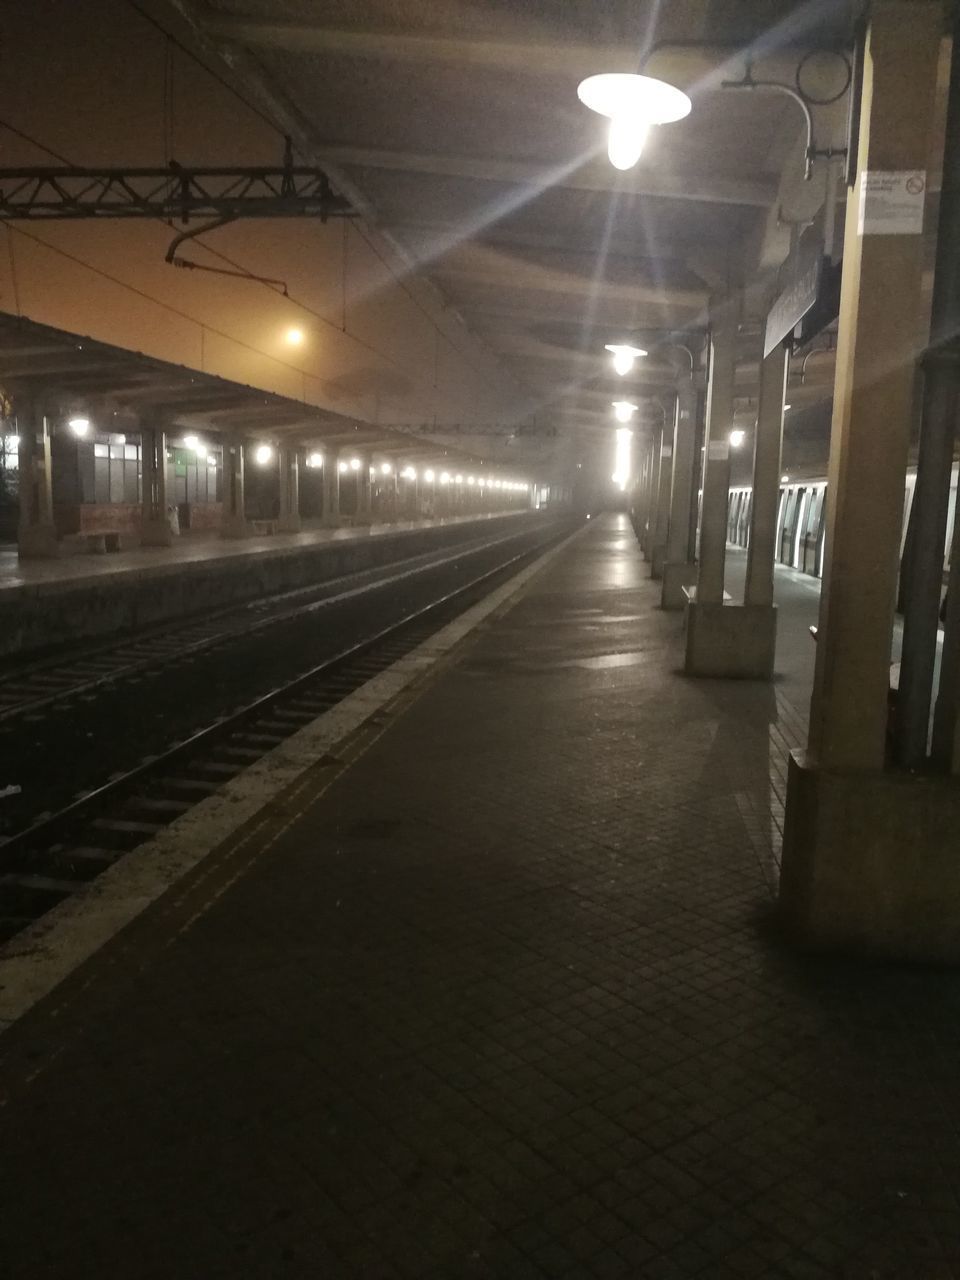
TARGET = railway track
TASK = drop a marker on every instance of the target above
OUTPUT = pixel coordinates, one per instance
(30, 687)
(56, 853)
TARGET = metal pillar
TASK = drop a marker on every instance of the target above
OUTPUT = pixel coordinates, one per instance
(289, 468)
(155, 528)
(767, 450)
(234, 520)
(36, 534)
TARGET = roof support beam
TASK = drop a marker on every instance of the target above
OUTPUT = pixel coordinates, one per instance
(568, 57)
(591, 176)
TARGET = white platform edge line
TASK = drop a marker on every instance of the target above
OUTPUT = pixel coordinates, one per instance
(37, 960)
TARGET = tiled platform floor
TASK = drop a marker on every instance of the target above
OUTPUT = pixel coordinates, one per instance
(506, 1002)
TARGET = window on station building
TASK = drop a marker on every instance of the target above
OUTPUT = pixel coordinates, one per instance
(10, 453)
(196, 478)
(116, 471)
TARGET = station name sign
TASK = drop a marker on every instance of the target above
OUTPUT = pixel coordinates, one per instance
(802, 275)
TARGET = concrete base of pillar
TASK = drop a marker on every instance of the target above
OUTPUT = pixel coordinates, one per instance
(235, 527)
(731, 641)
(289, 524)
(676, 575)
(870, 863)
(38, 542)
(658, 558)
(156, 533)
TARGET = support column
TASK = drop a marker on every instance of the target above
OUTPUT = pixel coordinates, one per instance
(679, 570)
(661, 524)
(36, 535)
(234, 520)
(869, 858)
(155, 528)
(331, 490)
(653, 492)
(364, 515)
(289, 467)
(767, 452)
(707, 643)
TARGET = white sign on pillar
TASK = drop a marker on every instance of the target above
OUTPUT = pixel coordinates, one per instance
(891, 202)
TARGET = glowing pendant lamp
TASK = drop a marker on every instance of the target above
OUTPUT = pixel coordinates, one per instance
(633, 103)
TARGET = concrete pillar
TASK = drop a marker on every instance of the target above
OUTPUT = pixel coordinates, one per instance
(661, 524)
(679, 569)
(364, 512)
(155, 528)
(233, 522)
(869, 858)
(768, 446)
(289, 467)
(36, 534)
(706, 639)
(653, 493)
(331, 490)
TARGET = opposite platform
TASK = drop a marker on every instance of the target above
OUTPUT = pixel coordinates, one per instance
(503, 1001)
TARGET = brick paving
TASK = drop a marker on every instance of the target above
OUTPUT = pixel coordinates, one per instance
(507, 1001)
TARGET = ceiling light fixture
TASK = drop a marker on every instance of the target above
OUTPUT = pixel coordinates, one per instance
(624, 356)
(624, 410)
(79, 426)
(633, 103)
(737, 437)
(263, 454)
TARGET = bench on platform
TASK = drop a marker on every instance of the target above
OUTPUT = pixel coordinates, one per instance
(264, 526)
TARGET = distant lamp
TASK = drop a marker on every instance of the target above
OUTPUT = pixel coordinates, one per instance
(737, 438)
(784, 479)
(385, 468)
(621, 471)
(191, 442)
(624, 356)
(428, 475)
(314, 459)
(444, 477)
(409, 473)
(355, 464)
(632, 103)
(624, 410)
(294, 337)
(342, 466)
(263, 454)
(79, 426)
(786, 407)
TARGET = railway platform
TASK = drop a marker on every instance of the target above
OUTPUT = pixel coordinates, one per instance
(497, 991)
(48, 602)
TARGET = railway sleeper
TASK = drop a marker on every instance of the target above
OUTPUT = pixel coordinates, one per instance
(30, 894)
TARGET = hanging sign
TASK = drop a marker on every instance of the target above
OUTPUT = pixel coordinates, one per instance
(891, 202)
(801, 275)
